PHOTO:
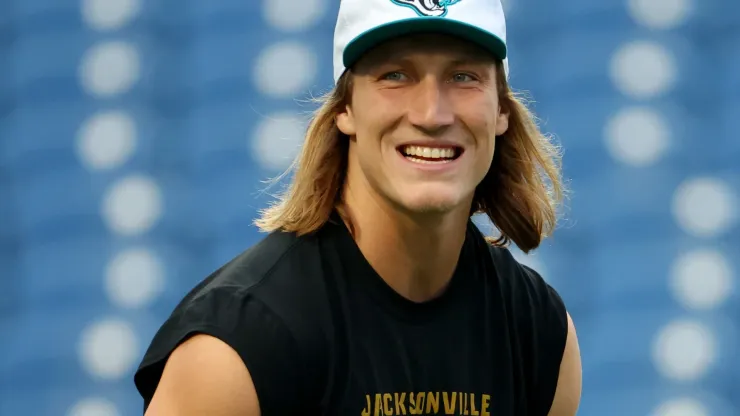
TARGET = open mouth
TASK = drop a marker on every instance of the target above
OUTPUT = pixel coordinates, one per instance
(423, 154)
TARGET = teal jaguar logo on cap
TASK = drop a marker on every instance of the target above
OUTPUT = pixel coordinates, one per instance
(430, 8)
(365, 24)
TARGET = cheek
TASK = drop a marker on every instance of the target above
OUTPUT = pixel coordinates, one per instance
(368, 149)
(485, 156)
(372, 128)
(377, 112)
(483, 126)
(485, 135)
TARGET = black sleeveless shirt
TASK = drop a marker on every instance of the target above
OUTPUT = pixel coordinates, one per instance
(322, 334)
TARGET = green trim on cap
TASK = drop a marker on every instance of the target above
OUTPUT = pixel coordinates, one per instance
(367, 40)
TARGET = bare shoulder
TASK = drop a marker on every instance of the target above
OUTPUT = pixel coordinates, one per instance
(204, 376)
(568, 392)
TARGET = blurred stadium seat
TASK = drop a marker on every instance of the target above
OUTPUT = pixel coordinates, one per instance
(620, 347)
(641, 399)
(57, 203)
(82, 256)
(713, 17)
(46, 145)
(70, 398)
(46, 15)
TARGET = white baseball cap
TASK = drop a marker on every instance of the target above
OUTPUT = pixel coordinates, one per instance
(363, 24)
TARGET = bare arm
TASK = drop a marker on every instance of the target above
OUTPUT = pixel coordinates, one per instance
(568, 392)
(204, 376)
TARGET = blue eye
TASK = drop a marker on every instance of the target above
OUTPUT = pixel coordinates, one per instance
(394, 76)
(462, 78)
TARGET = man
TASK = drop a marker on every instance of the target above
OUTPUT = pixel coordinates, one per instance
(374, 293)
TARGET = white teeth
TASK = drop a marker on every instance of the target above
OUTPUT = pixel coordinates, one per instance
(429, 152)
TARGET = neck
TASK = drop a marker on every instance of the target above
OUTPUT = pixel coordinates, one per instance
(416, 255)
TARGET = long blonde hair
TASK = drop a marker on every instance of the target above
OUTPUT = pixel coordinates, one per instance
(519, 194)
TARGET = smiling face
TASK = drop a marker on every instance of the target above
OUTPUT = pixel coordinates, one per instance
(423, 119)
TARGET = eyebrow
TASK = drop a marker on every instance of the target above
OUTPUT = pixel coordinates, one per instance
(470, 61)
(396, 59)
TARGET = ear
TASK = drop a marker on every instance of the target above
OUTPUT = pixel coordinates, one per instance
(502, 121)
(346, 121)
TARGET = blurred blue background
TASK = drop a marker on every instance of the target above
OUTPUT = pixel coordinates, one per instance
(135, 137)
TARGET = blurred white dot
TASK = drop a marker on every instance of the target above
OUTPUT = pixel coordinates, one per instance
(704, 207)
(643, 70)
(277, 140)
(134, 278)
(93, 407)
(684, 350)
(637, 136)
(660, 14)
(106, 140)
(285, 69)
(702, 279)
(293, 16)
(681, 407)
(109, 14)
(109, 69)
(108, 349)
(132, 205)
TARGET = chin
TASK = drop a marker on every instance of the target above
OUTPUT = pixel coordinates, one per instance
(431, 204)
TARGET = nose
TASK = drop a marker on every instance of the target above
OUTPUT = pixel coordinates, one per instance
(429, 109)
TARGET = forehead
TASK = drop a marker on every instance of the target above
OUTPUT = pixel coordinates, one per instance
(437, 45)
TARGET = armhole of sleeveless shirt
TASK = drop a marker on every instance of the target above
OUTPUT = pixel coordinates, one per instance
(550, 332)
(543, 320)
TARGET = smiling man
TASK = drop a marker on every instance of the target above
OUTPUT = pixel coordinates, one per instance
(374, 293)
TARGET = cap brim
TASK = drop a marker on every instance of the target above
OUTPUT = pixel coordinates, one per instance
(366, 41)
